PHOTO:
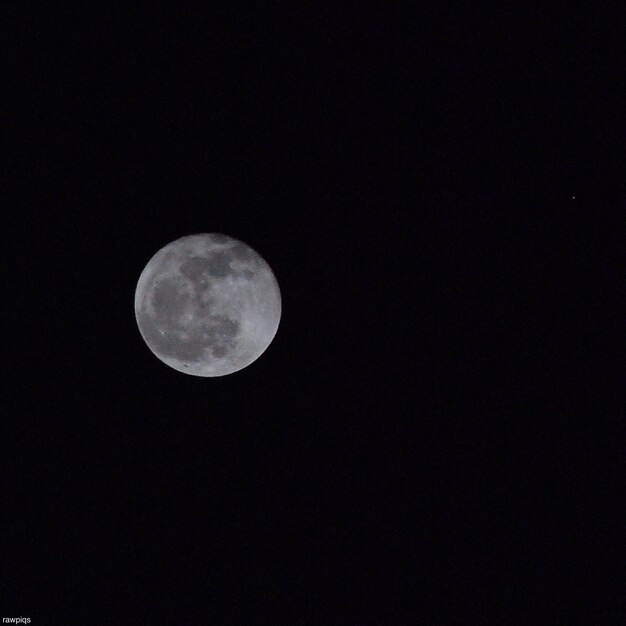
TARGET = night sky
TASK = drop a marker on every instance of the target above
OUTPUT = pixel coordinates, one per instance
(434, 189)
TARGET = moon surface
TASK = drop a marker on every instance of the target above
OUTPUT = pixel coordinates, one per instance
(207, 305)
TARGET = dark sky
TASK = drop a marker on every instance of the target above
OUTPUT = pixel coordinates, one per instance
(433, 188)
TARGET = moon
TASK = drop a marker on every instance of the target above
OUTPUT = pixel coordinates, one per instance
(207, 305)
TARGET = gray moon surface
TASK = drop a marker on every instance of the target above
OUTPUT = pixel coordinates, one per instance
(207, 305)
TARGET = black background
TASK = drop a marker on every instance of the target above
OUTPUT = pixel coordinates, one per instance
(434, 189)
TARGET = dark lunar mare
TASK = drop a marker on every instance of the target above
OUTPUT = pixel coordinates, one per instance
(219, 264)
(221, 333)
(168, 299)
(199, 269)
(195, 268)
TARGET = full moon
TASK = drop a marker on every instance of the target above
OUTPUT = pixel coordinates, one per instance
(207, 305)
